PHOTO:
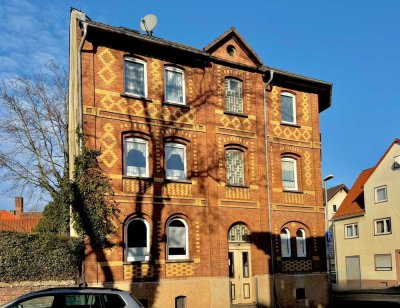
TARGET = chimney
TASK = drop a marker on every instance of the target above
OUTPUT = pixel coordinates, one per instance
(19, 205)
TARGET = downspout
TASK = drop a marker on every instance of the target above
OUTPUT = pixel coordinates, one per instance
(268, 190)
(80, 107)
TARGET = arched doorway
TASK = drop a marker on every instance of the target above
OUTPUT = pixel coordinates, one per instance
(240, 274)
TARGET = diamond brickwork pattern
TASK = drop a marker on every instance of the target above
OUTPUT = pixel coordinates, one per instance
(296, 265)
(139, 187)
(237, 193)
(179, 270)
(108, 144)
(177, 190)
(107, 59)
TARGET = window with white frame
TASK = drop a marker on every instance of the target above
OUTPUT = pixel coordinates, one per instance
(239, 233)
(234, 167)
(383, 226)
(288, 108)
(301, 243)
(351, 230)
(138, 240)
(175, 161)
(334, 208)
(289, 173)
(285, 243)
(233, 95)
(177, 239)
(380, 194)
(137, 157)
(383, 262)
(135, 77)
(174, 85)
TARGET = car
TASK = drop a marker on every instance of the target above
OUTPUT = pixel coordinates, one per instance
(76, 298)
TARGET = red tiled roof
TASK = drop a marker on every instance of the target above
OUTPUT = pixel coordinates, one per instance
(6, 215)
(353, 204)
(25, 222)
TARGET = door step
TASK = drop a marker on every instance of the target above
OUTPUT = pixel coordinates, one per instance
(252, 305)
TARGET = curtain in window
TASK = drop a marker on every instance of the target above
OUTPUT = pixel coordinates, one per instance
(134, 78)
(288, 175)
(176, 238)
(174, 86)
(175, 162)
(301, 243)
(235, 167)
(285, 243)
(136, 158)
(233, 95)
(287, 109)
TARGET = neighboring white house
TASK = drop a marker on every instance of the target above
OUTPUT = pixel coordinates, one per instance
(367, 227)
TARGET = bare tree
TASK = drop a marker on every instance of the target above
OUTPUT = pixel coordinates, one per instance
(33, 133)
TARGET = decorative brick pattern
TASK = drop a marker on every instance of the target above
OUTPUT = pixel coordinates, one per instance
(135, 186)
(238, 193)
(108, 143)
(233, 122)
(138, 271)
(296, 265)
(308, 170)
(292, 133)
(179, 270)
(197, 236)
(107, 59)
(305, 107)
(293, 198)
(275, 103)
(177, 190)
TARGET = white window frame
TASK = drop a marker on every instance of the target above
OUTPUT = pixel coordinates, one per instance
(130, 59)
(334, 208)
(186, 255)
(176, 70)
(228, 80)
(383, 268)
(376, 194)
(294, 161)
(286, 239)
(354, 230)
(301, 239)
(385, 231)
(146, 255)
(137, 140)
(179, 146)
(293, 107)
(227, 169)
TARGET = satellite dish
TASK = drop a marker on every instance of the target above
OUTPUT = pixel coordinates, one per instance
(148, 23)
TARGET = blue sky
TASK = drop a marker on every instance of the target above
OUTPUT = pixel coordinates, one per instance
(353, 44)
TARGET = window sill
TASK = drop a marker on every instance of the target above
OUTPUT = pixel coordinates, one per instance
(237, 186)
(184, 106)
(183, 181)
(132, 177)
(141, 98)
(351, 238)
(136, 262)
(180, 261)
(291, 124)
(242, 115)
(293, 191)
(380, 234)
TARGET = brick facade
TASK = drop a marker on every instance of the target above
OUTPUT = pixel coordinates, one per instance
(204, 201)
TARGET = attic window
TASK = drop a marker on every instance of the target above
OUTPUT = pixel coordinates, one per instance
(231, 50)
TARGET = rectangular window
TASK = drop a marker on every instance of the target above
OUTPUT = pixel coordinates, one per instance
(383, 226)
(175, 161)
(137, 158)
(288, 106)
(289, 174)
(383, 262)
(380, 194)
(174, 85)
(233, 95)
(351, 230)
(135, 77)
(235, 167)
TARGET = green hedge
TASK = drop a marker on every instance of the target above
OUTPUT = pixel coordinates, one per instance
(39, 257)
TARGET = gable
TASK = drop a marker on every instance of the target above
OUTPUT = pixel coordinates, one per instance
(231, 47)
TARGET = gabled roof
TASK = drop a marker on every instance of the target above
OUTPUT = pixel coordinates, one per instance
(233, 33)
(25, 224)
(6, 215)
(334, 190)
(354, 205)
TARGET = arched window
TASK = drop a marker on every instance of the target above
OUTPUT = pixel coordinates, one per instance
(239, 233)
(175, 161)
(138, 240)
(177, 239)
(136, 157)
(301, 243)
(234, 167)
(233, 95)
(285, 243)
(135, 77)
(289, 173)
(288, 108)
(174, 80)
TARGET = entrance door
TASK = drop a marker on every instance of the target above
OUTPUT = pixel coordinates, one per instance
(353, 272)
(240, 273)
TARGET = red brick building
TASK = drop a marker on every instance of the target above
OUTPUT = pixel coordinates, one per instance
(183, 135)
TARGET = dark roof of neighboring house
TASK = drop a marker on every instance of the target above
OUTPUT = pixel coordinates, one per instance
(334, 190)
(281, 77)
(354, 204)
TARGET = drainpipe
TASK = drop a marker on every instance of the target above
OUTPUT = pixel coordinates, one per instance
(268, 190)
(80, 107)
